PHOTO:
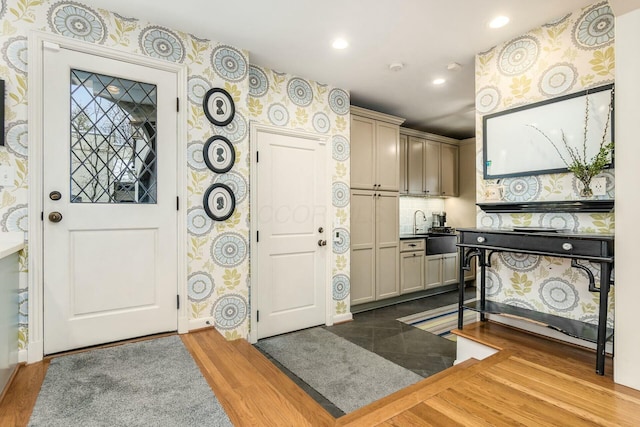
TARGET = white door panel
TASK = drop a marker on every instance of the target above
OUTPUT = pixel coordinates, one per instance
(291, 208)
(110, 263)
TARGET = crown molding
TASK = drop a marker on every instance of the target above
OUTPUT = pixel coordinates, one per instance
(375, 115)
(429, 136)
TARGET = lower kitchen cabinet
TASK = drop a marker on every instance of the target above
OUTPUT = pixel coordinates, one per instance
(412, 265)
(440, 270)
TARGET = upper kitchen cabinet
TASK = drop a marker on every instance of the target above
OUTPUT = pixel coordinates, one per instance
(375, 150)
(404, 179)
(431, 164)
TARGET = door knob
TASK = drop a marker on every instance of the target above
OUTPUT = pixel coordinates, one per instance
(322, 242)
(55, 217)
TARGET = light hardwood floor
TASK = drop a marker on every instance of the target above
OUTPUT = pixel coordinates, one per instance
(531, 381)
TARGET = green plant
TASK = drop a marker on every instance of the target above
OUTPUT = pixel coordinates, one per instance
(583, 168)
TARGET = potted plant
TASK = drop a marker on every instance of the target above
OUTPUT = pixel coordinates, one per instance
(582, 167)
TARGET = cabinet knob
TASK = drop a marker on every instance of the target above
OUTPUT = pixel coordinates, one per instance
(567, 246)
(481, 239)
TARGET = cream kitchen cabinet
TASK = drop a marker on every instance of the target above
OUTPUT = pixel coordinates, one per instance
(440, 270)
(375, 269)
(431, 164)
(411, 265)
(375, 150)
(404, 179)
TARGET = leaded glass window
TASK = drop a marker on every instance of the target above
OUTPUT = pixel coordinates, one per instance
(113, 139)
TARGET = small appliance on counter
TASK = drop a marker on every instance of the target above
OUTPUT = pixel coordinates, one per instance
(439, 223)
(442, 230)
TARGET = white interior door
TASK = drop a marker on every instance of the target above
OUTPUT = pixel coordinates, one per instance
(292, 224)
(109, 198)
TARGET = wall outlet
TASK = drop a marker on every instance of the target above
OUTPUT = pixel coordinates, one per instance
(599, 186)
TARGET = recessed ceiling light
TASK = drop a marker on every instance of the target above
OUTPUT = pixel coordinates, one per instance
(340, 44)
(499, 21)
(439, 81)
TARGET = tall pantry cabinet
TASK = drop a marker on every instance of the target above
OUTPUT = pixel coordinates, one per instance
(375, 185)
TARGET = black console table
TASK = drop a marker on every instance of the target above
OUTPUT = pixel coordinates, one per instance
(597, 248)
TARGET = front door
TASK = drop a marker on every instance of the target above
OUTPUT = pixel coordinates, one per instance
(292, 247)
(109, 190)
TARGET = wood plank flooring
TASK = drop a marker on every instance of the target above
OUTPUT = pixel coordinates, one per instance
(531, 381)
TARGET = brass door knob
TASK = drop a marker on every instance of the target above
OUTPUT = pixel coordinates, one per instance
(55, 217)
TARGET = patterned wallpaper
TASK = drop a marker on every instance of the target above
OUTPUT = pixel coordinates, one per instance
(281, 99)
(218, 252)
(570, 54)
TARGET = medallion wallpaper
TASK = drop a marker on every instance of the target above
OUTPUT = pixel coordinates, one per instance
(218, 252)
(570, 54)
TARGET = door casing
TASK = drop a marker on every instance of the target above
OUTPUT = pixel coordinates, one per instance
(38, 41)
(255, 129)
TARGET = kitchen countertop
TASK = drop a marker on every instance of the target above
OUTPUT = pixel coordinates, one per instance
(11, 242)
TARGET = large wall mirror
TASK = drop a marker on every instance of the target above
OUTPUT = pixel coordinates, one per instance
(514, 146)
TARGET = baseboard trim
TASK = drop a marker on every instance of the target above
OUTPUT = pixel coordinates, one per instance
(342, 318)
(23, 356)
(7, 386)
(200, 323)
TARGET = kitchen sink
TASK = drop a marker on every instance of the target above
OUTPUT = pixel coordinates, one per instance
(441, 243)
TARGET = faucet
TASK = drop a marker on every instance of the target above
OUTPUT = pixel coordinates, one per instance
(415, 226)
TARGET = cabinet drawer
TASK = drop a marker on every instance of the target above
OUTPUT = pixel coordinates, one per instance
(412, 245)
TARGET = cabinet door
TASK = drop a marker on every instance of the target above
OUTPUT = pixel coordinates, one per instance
(411, 272)
(432, 168)
(432, 271)
(449, 170)
(387, 157)
(450, 269)
(415, 165)
(363, 246)
(404, 182)
(363, 135)
(388, 245)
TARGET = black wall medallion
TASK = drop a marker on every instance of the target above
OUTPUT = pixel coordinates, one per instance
(218, 106)
(219, 202)
(219, 154)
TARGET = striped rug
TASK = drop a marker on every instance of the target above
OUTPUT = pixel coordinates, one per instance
(440, 321)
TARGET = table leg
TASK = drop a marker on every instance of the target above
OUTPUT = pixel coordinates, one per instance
(483, 283)
(461, 287)
(605, 274)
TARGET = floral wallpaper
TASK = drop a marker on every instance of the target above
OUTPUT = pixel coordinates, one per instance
(218, 252)
(281, 99)
(567, 55)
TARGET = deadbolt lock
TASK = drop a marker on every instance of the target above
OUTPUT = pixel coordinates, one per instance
(55, 195)
(320, 230)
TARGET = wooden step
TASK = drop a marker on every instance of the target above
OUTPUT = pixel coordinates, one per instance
(403, 400)
(564, 357)
(249, 387)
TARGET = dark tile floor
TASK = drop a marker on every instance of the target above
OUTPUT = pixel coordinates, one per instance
(378, 331)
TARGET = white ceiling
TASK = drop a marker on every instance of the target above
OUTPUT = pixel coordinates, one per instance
(295, 36)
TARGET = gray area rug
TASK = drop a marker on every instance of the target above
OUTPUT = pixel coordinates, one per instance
(148, 383)
(347, 375)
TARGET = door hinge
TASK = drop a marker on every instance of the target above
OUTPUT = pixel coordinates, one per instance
(178, 105)
(257, 316)
(41, 216)
(177, 203)
(257, 157)
(257, 236)
(178, 302)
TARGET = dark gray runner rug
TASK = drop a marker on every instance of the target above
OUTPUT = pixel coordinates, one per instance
(347, 375)
(148, 383)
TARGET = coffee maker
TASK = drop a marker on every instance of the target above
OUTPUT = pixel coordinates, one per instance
(438, 219)
(439, 223)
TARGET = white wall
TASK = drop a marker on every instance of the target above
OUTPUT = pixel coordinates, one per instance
(627, 155)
